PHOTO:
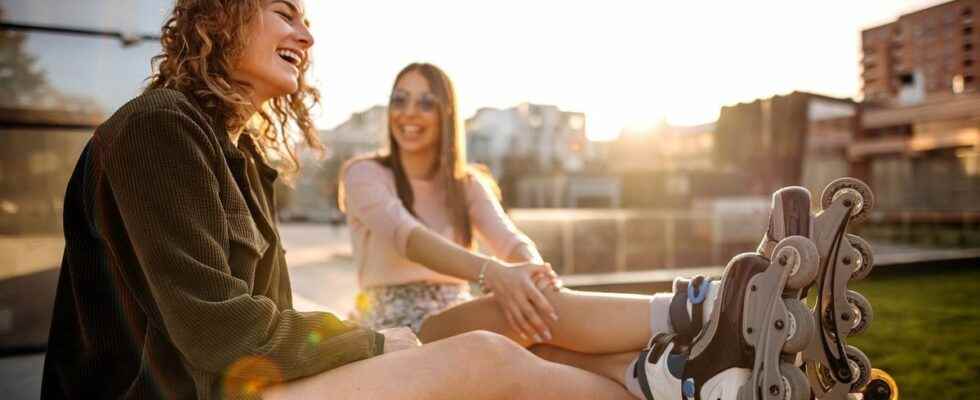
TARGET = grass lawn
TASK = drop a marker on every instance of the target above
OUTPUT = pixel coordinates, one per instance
(926, 329)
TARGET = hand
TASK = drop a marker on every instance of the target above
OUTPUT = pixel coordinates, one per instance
(547, 281)
(399, 339)
(516, 289)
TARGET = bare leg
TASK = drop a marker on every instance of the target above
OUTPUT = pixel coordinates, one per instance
(589, 322)
(611, 366)
(476, 365)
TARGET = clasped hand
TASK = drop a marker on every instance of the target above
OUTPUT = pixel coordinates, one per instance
(517, 288)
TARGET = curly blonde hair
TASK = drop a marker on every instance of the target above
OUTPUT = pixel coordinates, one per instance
(202, 40)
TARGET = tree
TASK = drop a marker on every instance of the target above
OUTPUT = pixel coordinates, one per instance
(18, 73)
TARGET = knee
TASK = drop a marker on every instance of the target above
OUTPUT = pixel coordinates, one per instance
(429, 330)
(493, 352)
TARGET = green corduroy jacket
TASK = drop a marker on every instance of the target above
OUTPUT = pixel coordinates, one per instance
(174, 282)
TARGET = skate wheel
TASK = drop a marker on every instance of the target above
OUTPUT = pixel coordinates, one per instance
(824, 377)
(861, 312)
(841, 186)
(795, 384)
(861, 366)
(801, 326)
(881, 386)
(800, 255)
(863, 266)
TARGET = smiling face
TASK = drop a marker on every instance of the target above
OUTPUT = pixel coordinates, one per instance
(413, 115)
(277, 50)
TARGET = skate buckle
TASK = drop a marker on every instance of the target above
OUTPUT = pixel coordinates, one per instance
(696, 295)
(688, 388)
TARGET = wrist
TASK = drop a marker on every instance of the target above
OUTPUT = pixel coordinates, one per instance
(483, 275)
(530, 254)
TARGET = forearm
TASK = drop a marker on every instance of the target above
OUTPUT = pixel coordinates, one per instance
(524, 252)
(443, 256)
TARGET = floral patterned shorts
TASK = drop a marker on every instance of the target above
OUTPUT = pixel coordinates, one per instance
(408, 304)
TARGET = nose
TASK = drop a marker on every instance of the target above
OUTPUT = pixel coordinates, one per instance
(304, 36)
(413, 108)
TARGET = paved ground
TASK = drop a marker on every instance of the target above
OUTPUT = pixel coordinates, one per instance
(320, 267)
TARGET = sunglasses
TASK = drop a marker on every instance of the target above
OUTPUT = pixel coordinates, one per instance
(401, 101)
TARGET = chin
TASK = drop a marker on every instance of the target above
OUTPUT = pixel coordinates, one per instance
(287, 88)
(408, 148)
(281, 84)
(413, 147)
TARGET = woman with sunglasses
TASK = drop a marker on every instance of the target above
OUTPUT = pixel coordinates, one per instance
(414, 212)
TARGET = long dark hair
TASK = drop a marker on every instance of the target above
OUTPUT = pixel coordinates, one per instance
(452, 169)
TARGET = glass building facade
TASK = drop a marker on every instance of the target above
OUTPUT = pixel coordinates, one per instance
(63, 70)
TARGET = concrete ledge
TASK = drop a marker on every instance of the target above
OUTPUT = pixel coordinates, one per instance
(660, 280)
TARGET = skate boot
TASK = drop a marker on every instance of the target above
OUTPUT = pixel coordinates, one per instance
(737, 337)
(834, 368)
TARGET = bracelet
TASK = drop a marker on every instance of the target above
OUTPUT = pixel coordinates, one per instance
(481, 279)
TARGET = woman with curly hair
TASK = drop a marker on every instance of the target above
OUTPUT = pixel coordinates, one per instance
(174, 283)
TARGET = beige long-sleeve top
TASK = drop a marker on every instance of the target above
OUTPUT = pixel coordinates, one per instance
(380, 224)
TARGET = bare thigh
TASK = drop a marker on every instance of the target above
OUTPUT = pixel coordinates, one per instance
(476, 365)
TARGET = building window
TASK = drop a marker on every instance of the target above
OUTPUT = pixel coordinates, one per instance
(967, 63)
(968, 79)
(967, 11)
(967, 31)
(968, 47)
(906, 79)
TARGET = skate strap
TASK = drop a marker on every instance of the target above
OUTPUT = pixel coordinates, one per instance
(688, 326)
(640, 373)
(658, 344)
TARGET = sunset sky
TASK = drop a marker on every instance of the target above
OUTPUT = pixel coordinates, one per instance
(623, 63)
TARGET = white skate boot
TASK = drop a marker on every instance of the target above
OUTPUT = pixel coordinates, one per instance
(736, 338)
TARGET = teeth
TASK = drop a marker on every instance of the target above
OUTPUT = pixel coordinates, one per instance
(290, 55)
(411, 128)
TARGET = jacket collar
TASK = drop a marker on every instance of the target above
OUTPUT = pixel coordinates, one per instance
(237, 164)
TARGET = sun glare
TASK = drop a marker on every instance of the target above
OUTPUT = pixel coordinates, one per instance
(637, 62)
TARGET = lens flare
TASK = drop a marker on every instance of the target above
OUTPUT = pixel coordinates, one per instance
(248, 376)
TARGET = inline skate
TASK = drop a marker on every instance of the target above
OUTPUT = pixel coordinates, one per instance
(737, 337)
(834, 368)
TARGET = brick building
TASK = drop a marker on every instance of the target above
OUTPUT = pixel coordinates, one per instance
(923, 55)
(919, 136)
